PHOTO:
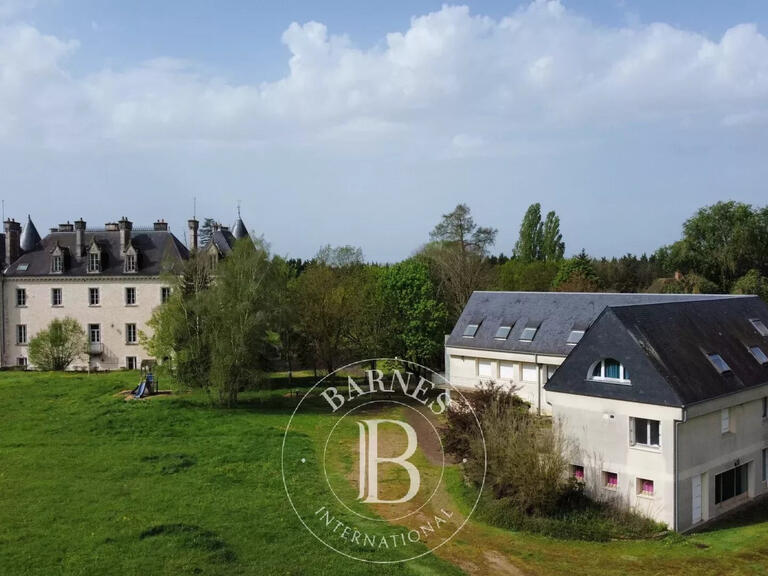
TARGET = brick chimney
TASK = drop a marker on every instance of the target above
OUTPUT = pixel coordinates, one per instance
(79, 239)
(161, 226)
(125, 226)
(194, 227)
(12, 241)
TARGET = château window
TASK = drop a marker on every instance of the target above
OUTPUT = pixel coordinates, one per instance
(610, 370)
(93, 297)
(130, 334)
(94, 262)
(21, 297)
(94, 333)
(57, 264)
(21, 333)
(56, 297)
(130, 296)
(130, 263)
(165, 294)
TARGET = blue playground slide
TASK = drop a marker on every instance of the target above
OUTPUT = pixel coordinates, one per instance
(140, 391)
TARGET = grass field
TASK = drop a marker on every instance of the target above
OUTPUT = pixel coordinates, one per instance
(92, 484)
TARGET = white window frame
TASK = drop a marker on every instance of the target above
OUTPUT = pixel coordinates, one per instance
(21, 297)
(633, 433)
(725, 421)
(22, 361)
(94, 329)
(94, 262)
(60, 292)
(21, 334)
(165, 294)
(603, 378)
(131, 338)
(135, 362)
(130, 301)
(130, 263)
(481, 373)
(57, 264)
(91, 300)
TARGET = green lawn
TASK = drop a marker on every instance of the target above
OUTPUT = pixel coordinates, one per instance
(92, 484)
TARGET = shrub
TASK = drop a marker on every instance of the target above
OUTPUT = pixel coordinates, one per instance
(526, 466)
(58, 345)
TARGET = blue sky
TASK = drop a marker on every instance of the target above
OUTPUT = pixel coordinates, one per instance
(360, 123)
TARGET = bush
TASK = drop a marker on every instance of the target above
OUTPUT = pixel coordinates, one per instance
(526, 466)
(527, 481)
(58, 345)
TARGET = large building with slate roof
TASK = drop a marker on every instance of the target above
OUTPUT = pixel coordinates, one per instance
(667, 406)
(110, 279)
(520, 338)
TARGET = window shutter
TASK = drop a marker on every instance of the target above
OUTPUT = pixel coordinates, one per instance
(631, 431)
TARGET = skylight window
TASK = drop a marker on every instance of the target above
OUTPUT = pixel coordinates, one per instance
(574, 337)
(720, 365)
(471, 330)
(529, 333)
(759, 326)
(503, 332)
(23, 267)
(759, 355)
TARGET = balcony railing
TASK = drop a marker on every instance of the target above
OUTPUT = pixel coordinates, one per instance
(95, 348)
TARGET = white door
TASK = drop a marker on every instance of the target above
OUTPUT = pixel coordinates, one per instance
(696, 491)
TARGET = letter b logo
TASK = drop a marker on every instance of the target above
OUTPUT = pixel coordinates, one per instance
(370, 460)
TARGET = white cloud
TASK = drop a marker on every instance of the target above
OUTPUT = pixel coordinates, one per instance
(541, 66)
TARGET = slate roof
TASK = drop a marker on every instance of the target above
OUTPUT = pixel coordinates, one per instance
(30, 237)
(556, 314)
(238, 228)
(665, 348)
(155, 248)
(223, 239)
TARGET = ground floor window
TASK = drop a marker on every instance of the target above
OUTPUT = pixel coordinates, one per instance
(730, 483)
(611, 480)
(644, 487)
(21, 361)
(578, 472)
(94, 333)
(484, 368)
(131, 363)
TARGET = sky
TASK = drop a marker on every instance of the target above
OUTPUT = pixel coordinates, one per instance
(361, 123)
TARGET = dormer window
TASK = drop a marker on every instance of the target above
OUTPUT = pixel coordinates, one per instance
(609, 370)
(94, 262)
(130, 263)
(57, 260)
(94, 258)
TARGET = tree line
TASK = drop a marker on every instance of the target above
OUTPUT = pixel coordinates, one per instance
(226, 325)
